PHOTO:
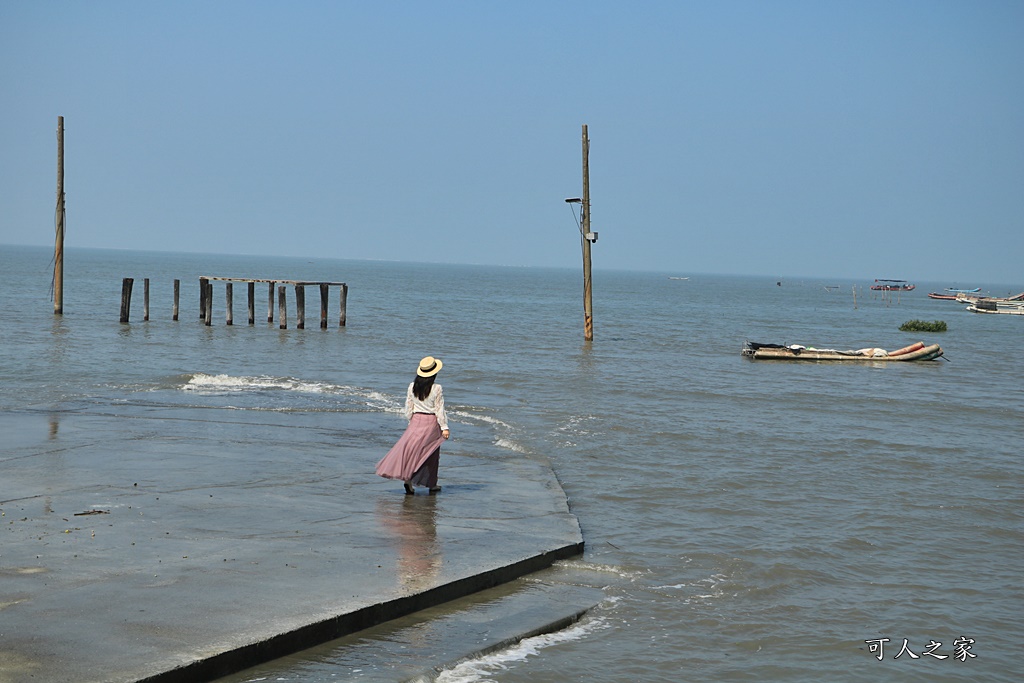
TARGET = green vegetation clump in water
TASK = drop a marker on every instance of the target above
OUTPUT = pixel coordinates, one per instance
(923, 326)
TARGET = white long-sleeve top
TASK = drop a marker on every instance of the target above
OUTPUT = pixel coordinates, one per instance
(433, 403)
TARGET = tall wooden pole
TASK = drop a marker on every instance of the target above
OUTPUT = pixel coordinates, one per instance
(588, 309)
(58, 249)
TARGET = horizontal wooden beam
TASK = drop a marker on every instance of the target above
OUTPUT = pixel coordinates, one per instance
(283, 282)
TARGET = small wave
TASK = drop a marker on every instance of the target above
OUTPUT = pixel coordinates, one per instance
(203, 383)
(576, 426)
(468, 415)
(484, 418)
(226, 383)
(601, 569)
(509, 445)
(713, 583)
(480, 669)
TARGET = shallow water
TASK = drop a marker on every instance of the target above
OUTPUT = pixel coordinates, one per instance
(745, 520)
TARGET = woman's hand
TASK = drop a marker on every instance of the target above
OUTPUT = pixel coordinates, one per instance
(445, 433)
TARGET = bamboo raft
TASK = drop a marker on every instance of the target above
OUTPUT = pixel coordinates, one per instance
(918, 351)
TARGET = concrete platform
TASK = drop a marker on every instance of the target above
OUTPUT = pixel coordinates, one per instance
(144, 547)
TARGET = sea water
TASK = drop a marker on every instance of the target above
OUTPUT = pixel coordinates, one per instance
(746, 520)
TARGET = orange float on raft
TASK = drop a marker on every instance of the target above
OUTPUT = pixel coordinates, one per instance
(907, 349)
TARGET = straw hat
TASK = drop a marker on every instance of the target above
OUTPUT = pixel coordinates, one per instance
(429, 367)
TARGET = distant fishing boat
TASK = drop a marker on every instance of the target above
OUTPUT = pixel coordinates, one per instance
(892, 286)
(952, 294)
(677, 278)
(974, 298)
(997, 306)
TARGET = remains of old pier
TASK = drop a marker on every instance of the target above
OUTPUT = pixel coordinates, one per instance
(280, 286)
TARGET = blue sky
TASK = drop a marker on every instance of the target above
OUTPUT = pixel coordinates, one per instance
(831, 139)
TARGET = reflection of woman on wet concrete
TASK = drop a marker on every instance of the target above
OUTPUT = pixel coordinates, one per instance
(411, 525)
(416, 456)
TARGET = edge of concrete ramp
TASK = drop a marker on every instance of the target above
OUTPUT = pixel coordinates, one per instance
(283, 644)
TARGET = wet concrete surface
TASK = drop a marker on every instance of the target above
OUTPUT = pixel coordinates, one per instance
(144, 548)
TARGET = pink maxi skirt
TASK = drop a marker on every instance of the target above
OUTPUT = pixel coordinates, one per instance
(417, 454)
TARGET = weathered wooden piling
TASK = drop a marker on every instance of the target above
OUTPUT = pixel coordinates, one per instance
(300, 307)
(343, 317)
(206, 299)
(252, 302)
(145, 299)
(324, 292)
(270, 301)
(126, 298)
(208, 304)
(177, 292)
(282, 308)
(229, 303)
(203, 284)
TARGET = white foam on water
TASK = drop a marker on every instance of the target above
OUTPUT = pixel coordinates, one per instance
(472, 417)
(204, 383)
(479, 670)
(712, 583)
(485, 418)
(505, 441)
(509, 445)
(602, 569)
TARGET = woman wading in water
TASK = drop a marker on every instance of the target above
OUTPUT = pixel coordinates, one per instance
(414, 459)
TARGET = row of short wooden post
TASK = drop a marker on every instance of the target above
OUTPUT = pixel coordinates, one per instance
(206, 300)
